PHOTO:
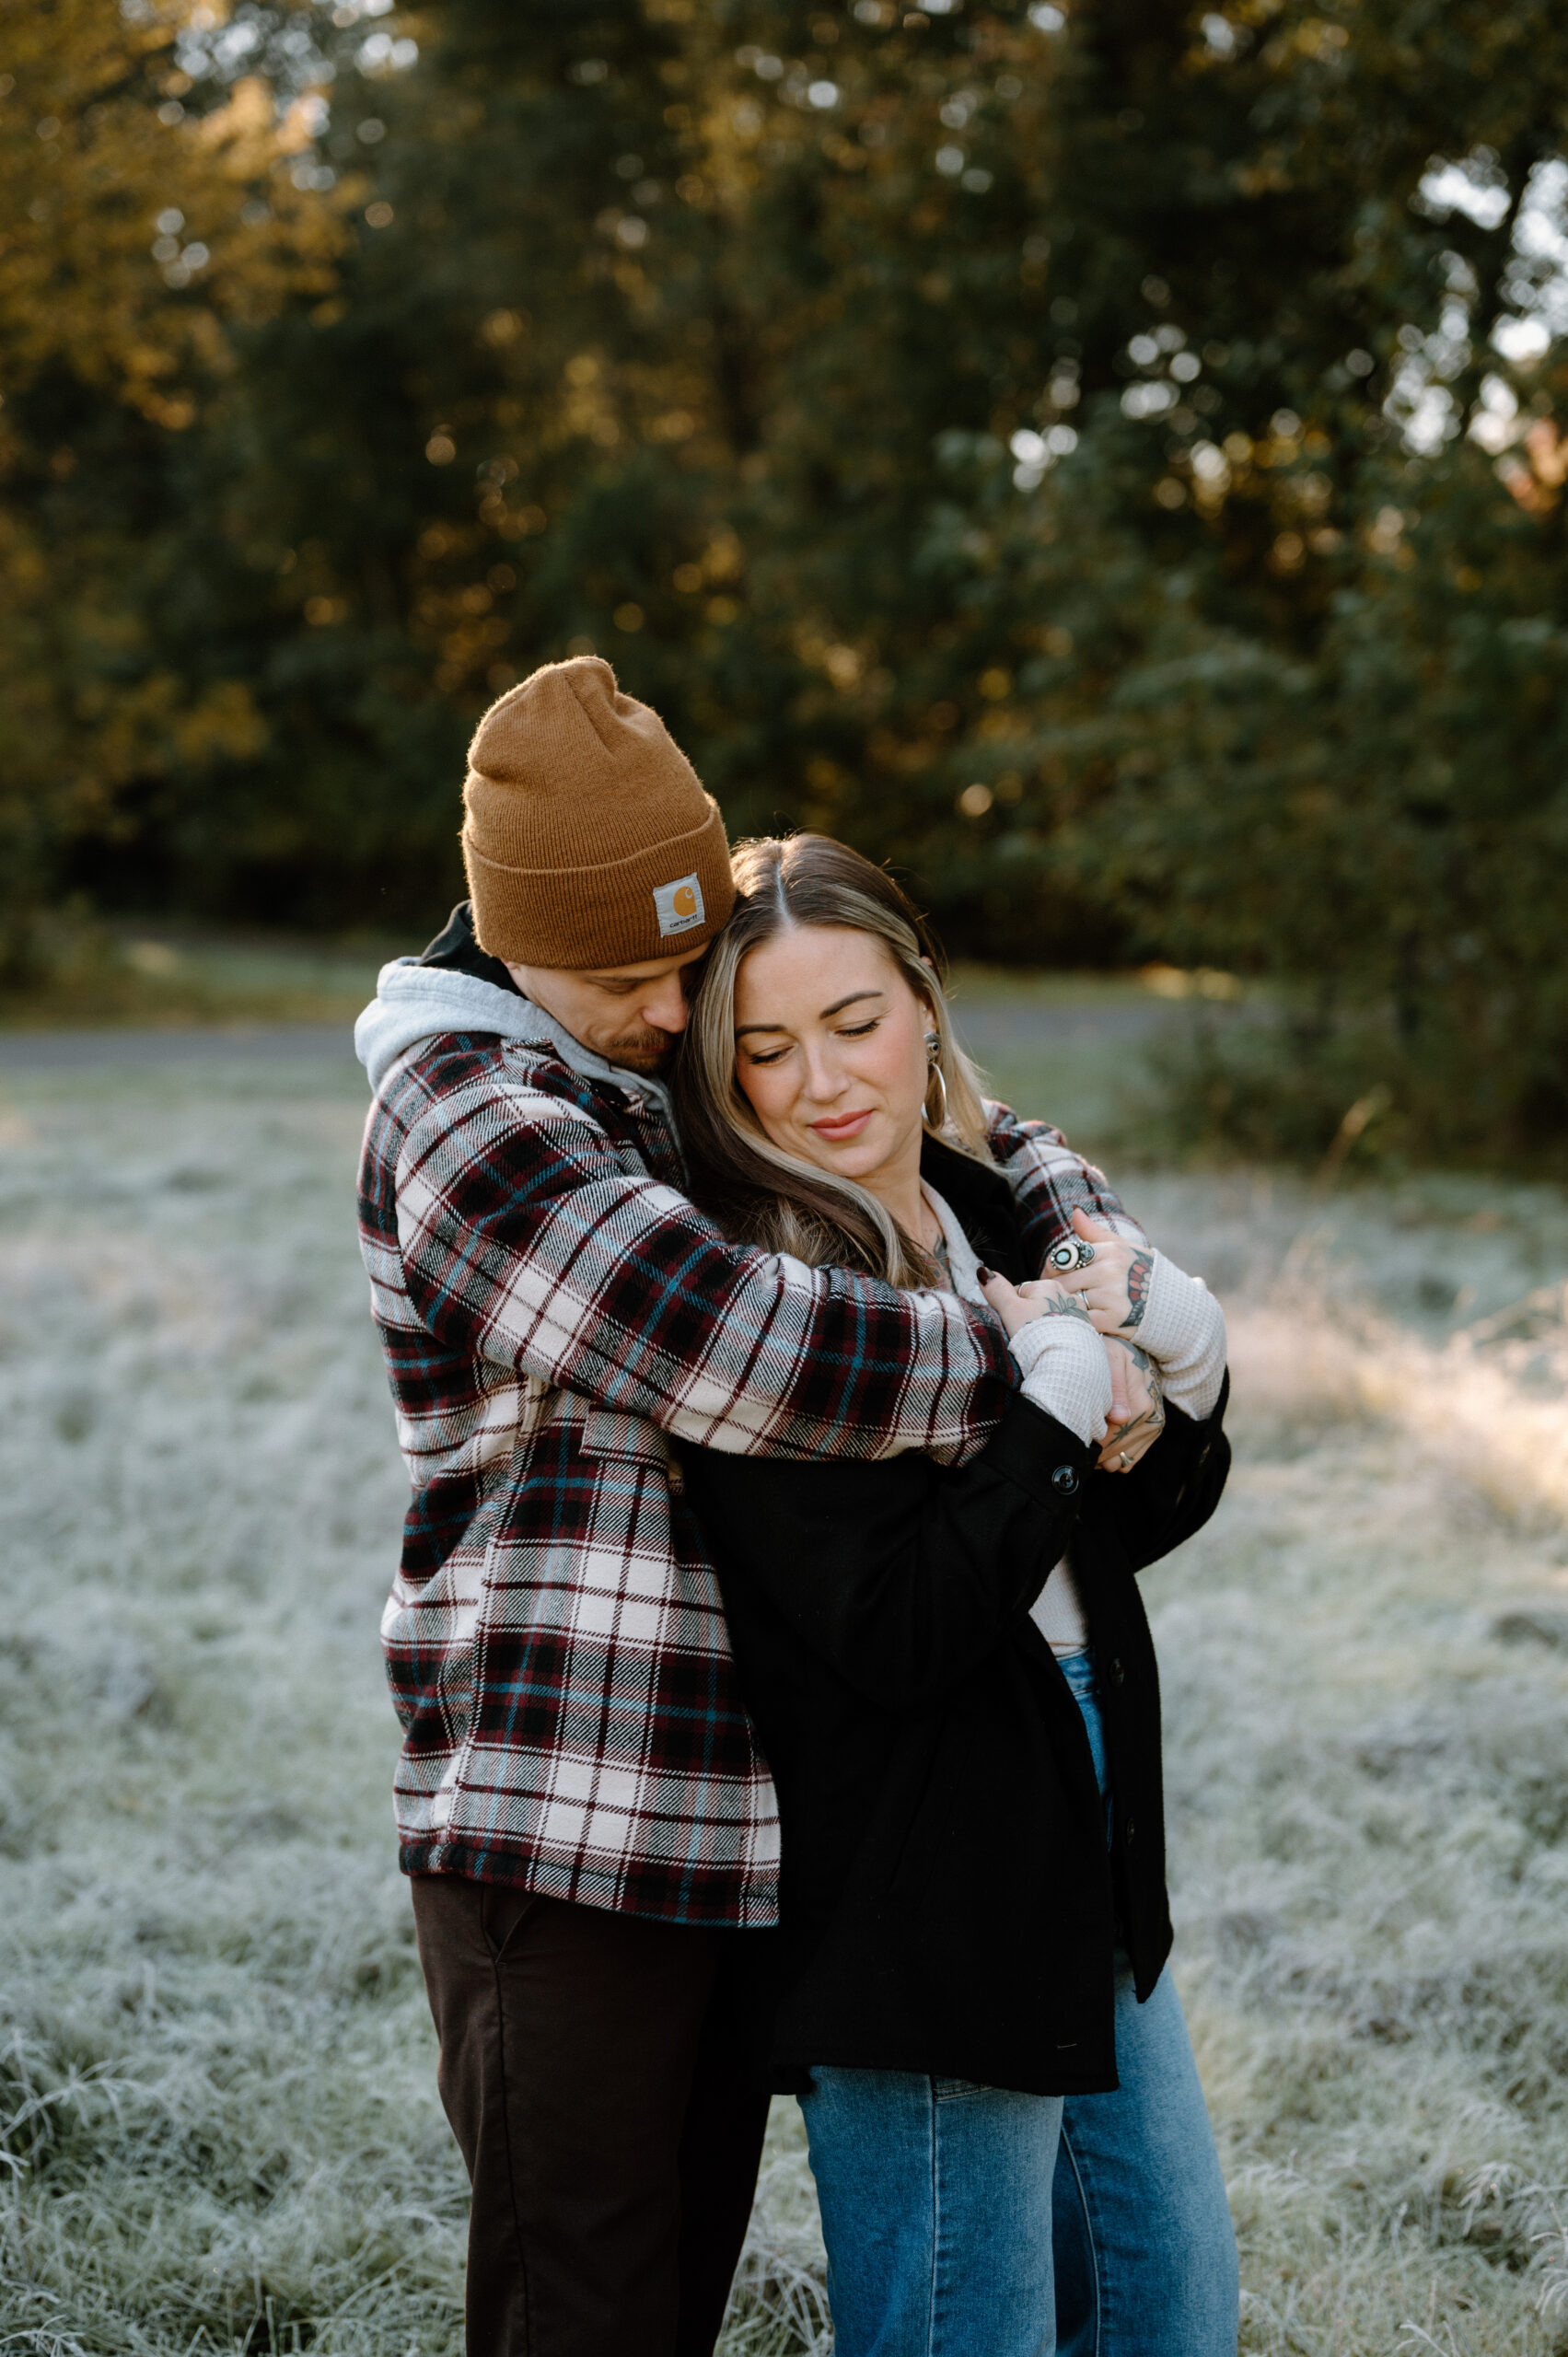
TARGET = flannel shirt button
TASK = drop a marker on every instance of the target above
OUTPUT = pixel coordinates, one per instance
(1065, 1481)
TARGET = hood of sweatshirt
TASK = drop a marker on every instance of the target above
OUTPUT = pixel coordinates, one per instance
(415, 1002)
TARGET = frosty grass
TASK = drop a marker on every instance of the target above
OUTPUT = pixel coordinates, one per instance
(218, 2125)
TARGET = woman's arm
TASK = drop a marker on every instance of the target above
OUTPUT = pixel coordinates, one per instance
(1058, 1381)
(1135, 1293)
(902, 1576)
(1049, 1184)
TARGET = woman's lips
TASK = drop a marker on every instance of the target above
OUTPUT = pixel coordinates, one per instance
(840, 1126)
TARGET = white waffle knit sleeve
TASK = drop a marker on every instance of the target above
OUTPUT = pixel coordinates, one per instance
(1183, 1331)
(1065, 1372)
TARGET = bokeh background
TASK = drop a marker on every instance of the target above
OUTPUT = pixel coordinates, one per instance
(1103, 459)
(1101, 456)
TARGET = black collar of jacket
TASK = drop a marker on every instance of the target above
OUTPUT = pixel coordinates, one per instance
(455, 949)
(984, 1204)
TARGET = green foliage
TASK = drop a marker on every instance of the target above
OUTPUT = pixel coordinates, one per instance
(108, 352)
(1032, 444)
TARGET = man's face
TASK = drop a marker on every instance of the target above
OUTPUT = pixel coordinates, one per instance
(629, 1015)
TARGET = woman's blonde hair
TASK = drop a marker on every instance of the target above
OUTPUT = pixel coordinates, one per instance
(757, 1193)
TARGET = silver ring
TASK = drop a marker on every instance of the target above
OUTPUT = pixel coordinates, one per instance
(1075, 1253)
(1124, 1461)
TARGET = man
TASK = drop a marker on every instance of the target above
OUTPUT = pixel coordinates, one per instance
(581, 1803)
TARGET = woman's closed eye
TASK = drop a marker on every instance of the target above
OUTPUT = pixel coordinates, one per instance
(843, 1031)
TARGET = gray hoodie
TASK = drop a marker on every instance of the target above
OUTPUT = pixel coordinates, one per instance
(415, 1002)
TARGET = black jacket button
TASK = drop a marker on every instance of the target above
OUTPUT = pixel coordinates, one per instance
(1116, 1673)
(1132, 1830)
(1065, 1479)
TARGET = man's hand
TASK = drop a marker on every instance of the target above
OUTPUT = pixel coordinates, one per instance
(1114, 1285)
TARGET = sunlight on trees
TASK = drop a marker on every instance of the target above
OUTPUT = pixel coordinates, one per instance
(141, 242)
(1196, 372)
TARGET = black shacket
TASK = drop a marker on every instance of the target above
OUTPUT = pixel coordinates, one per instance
(947, 1904)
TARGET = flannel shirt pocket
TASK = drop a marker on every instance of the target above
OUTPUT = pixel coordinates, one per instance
(605, 1433)
(632, 1440)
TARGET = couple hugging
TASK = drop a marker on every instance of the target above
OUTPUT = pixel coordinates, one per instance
(786, 1424)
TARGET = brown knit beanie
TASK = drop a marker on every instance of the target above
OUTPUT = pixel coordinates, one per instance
(588, 838)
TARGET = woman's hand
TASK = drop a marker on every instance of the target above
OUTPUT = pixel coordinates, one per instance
(1017, 1305)
(1137, 1414)
(1113, 1285)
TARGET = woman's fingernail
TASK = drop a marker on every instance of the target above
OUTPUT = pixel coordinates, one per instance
(985, 1275)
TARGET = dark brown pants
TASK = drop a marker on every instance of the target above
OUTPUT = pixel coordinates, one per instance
(611, 2143)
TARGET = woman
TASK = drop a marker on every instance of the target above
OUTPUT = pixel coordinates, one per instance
(953, 1678)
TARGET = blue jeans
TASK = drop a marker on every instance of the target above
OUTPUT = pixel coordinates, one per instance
(964, 2220)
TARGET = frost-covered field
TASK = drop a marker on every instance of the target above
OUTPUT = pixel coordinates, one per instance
(218, 2129)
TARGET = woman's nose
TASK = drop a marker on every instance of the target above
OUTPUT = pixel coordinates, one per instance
(823, 1080)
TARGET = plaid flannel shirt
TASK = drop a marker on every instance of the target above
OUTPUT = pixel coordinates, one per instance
(553, 1311)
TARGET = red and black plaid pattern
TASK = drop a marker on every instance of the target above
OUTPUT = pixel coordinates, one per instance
(552, 1308)
(1050, 1182)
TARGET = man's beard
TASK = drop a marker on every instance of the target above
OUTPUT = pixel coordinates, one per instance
(640, 1051)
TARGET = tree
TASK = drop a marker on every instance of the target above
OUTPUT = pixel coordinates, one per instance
(1104, 458)
(111, 352)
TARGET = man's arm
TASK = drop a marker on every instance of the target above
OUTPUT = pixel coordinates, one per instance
(1049, 1183)
(524, 1241)
(1173, 1491)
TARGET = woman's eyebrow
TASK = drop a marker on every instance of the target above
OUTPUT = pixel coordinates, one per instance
(828, 1012)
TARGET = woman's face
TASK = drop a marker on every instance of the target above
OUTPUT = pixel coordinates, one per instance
(830, 1050)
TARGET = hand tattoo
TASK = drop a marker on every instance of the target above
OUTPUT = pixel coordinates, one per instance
(1140, 1276)
(1068, 1306)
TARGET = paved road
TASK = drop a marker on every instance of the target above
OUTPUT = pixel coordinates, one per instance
(81, 1051)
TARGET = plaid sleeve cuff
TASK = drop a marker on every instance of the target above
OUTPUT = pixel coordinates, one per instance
(1065, 1371)
(1183, 1331)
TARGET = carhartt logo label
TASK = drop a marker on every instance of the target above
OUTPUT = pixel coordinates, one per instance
(679, 904)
